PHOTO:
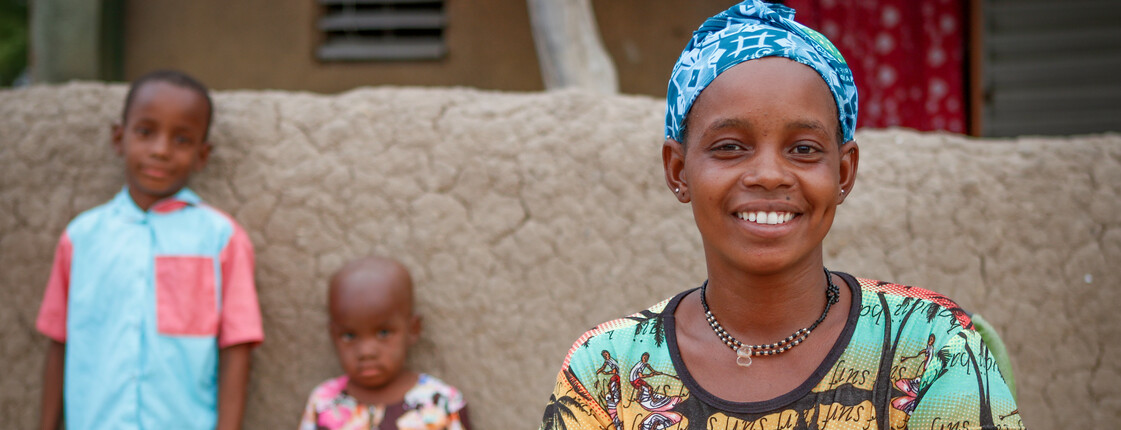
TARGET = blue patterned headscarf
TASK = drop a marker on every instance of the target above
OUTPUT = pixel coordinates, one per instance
(747, 31)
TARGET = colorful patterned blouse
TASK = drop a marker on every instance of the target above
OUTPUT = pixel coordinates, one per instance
(430, 405)
(907, 357)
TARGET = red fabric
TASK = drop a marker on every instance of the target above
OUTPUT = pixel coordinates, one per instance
(907, 57)
(185, 296)
(52, 313)
(241, 314)
(169, 206)
(919, 293)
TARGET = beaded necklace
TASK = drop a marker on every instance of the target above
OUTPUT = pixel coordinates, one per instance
(744, 352)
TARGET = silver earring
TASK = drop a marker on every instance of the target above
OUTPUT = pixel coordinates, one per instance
(676, 190)
(842, 192)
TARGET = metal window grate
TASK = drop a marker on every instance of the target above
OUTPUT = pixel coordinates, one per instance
(1050, 68)
(363, 30)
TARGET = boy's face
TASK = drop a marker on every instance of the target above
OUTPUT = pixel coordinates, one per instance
(762, 167)
(372, 332)
(162, 140)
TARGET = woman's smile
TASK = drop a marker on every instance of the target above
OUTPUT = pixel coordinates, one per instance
(766, 218)
(762, 166)
(769, 221)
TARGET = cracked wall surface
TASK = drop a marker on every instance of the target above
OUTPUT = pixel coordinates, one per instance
(526, 218)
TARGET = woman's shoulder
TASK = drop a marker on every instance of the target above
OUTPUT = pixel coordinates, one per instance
(621, 334)
(877, 294)
(629, 321)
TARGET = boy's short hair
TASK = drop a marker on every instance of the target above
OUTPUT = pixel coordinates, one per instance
(178, 79)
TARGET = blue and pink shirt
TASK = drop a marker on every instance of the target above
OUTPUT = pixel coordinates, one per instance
(144, 300)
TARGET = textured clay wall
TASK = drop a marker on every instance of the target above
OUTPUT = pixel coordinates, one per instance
(527, 218)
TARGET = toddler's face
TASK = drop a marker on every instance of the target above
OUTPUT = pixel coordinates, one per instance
(372, 338)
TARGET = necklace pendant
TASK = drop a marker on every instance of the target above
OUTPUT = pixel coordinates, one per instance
(743, 356)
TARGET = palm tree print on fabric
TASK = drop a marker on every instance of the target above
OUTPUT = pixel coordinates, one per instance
(654, 322)
(887, 373)
(558, 409)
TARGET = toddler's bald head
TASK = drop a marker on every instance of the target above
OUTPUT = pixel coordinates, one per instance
(371, 284)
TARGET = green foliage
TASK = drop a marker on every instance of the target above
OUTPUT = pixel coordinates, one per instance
(13, 39)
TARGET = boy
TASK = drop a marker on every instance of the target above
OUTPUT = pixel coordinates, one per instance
(370, 302)
(151, 307)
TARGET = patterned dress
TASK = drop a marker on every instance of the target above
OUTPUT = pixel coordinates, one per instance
(430, 405)
(907, 358)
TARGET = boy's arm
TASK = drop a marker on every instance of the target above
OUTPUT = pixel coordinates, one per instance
(240, 314)
(52, 323)
(233, 381)
(51, 408)
(240, 327)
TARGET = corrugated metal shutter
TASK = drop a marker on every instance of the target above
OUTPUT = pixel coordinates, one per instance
(356, 30)
(1051, 67)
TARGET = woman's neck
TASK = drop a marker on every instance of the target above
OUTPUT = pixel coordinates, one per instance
(768, 307)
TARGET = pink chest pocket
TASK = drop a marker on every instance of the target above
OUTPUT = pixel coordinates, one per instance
(185, 296)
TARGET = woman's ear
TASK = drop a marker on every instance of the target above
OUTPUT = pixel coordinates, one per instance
(850, 158)
(673, 161)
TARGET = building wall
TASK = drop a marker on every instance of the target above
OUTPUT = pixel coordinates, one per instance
(645, 37)
(522, 231)
(270, 44)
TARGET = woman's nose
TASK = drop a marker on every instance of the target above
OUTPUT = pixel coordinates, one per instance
(768, 169)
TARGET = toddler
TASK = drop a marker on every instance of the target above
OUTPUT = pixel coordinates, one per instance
(370, 302)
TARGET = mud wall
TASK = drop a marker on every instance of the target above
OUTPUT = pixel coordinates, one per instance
(527, 217)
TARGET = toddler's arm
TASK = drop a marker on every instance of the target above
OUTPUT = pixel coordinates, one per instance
(464, 421)
(233, 381)
(51, 408)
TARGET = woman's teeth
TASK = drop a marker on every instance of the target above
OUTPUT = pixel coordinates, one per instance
(769, 218)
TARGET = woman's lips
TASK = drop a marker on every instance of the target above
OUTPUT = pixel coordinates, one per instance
(766, 217)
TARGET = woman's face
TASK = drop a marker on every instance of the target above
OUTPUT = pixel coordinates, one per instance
(762, 166)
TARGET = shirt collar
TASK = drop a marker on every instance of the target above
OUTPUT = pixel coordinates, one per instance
(183, 198)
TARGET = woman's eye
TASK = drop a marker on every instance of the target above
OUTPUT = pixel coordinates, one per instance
(728, 146)
(804, 149)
